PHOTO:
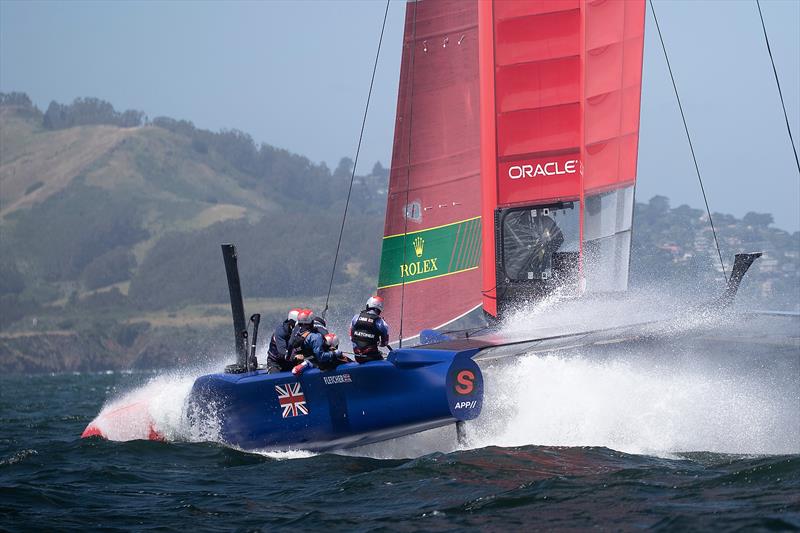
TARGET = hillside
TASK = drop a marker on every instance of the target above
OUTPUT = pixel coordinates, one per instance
(110, 227)
(103, 226)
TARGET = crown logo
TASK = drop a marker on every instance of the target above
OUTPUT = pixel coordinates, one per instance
(419, 243)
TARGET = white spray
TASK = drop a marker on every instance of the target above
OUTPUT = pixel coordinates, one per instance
(650, 403)
(633, 406)
(157, 408)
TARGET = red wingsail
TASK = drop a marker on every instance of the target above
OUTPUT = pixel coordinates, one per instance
(514, 155)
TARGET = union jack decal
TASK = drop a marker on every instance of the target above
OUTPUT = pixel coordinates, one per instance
(292, 399)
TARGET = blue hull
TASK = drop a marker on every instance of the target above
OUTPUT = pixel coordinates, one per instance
(413, 390)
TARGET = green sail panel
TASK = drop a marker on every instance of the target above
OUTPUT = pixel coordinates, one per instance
(430, 253)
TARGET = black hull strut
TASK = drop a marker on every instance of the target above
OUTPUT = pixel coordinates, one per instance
(237, 308)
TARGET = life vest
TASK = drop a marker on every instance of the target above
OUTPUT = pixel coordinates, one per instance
(365, 334)
(297, 342)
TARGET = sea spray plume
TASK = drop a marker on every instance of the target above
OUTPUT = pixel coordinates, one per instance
(690, 385)
(661, 309)
(561, 313)
(602, 305)
(556, 314)
(643, 387)
(143, 413)
(629, 403)
(157, 410)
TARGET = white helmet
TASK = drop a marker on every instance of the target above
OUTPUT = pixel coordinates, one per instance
(293, 314)
(375, 302)
(332, 340)
(305, 316)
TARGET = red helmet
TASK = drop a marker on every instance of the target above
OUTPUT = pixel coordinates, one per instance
(332, 340)
(293, 314)
(305, 316)
(375, 302)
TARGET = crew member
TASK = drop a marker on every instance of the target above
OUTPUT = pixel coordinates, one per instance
(278, 358)
(331, 355)
(368, 331)
(305, 344)
(321, 326)
(330, 358)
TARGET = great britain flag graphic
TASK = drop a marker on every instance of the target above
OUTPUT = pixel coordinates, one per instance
(292, 399)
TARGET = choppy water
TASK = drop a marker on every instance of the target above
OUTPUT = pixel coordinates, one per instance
(679, 439)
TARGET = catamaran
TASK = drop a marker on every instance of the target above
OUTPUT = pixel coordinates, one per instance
(512, 176)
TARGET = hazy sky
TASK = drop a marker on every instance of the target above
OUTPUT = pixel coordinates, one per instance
(295, 75)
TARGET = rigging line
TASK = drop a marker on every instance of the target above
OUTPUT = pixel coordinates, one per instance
(355, 162)
(689, 138)
(408, 162)
(778, 83)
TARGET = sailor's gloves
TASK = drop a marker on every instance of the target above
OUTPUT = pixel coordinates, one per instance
(299, 369)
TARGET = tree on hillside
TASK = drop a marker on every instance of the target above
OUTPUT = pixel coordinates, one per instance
(55, 118)
(131, 118)
(181, 127)
(240, 149)
(15, 99)
(21, 104)
(379, 170)
(758, 220)
(86, 111)
(344, 169)
(659, 204)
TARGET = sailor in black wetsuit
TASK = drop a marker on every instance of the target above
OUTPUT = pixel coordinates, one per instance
(368, 331)
(278, 358)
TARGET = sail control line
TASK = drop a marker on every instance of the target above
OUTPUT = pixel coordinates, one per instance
(355, 161)
(778, 84)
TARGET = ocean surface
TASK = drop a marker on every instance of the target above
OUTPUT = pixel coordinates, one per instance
(693, 439)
